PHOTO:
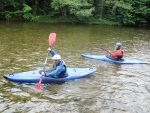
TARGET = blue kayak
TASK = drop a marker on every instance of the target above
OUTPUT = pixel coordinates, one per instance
(34, 76)
(105, 58)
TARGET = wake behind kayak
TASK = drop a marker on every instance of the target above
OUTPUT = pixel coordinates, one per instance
(104, 58)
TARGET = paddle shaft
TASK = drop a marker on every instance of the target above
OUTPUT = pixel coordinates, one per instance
(46, 60)
(105, 50)
(51, 40)
(39, 83)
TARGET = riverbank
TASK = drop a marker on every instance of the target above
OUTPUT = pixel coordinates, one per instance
(73, 20)
(65, 20)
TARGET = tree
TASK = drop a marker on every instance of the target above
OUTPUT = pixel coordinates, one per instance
(125, 12)
(140, 11)
(81, 9)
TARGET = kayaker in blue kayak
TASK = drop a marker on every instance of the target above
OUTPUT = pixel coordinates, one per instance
(59, 68)
(118, 54)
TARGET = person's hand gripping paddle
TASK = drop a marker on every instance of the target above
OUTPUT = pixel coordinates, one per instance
(51, 40)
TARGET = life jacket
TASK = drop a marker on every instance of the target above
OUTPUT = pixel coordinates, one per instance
(116, 55)
(120, 57)
(63, 73)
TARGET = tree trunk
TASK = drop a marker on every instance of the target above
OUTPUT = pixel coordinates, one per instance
(64, 11)
(35, 5)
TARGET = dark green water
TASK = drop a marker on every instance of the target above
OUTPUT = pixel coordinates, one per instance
(111, 89)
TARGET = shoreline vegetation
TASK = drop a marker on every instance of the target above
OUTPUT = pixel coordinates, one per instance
(73, 21)
(99, 12)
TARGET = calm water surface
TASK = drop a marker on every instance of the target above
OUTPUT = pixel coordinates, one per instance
(111, 89)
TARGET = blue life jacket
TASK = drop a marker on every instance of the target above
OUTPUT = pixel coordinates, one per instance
(63, 73)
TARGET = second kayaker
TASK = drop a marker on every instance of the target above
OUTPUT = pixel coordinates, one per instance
(118, 54)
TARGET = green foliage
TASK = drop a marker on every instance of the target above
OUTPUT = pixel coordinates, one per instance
(111, 12)
(81, 9)
(140, 11)
(26, 8)
(102, 21)
(26, 12)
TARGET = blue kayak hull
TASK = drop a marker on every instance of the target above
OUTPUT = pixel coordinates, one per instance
(34, 76)
(104, 58)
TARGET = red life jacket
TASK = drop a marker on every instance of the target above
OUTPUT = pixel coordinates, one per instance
(118, 54)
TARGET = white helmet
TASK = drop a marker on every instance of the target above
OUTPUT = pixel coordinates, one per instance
(56, 57)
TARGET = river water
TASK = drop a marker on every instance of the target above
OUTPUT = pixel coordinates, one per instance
(111, 89)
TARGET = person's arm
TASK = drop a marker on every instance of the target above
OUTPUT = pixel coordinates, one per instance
(116, 54)
(52, 52)
(56, 72)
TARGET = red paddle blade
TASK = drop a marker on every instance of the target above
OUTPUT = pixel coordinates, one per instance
(38, 86)
(52, 38)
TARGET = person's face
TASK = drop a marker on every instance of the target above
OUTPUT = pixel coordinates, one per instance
(56, 62)
(117, 47)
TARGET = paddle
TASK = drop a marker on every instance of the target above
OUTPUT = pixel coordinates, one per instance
(51, 40)
(104, 49)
